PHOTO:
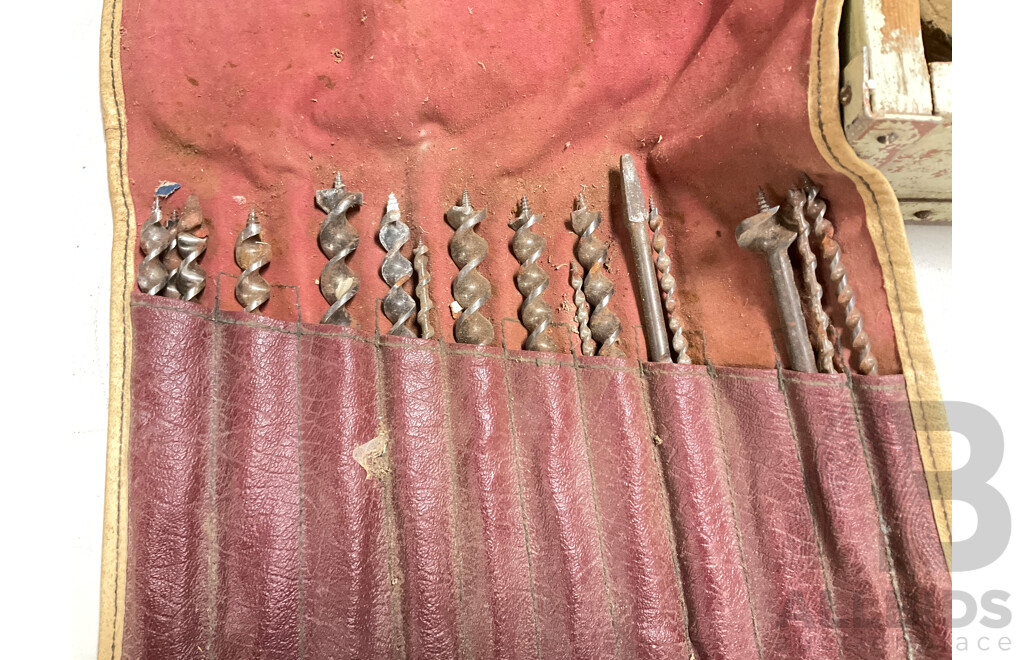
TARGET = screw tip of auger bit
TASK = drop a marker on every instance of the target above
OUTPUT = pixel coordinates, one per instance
(339, 184)
(580, 203)
(465, 198)
(762, 200)
(252, 218)
(392, 203)
(524, 205)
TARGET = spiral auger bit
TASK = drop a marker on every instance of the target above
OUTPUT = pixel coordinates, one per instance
(251, 255)
(667, 282)
(191, 246)
(154, 240)
(469, 288)
(598, 288)
(396, 270)
(338, 240)
(172, 260)
(421, 262)
(793, 218)
(531, 280)
(832, 256)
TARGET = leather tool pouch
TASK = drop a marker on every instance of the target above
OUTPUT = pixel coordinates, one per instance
(278, 488)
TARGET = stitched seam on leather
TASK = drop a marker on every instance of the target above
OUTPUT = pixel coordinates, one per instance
(522, 509)
(816, 523)
(213, 527)
(301, 532)
(819, 31)
(882, 527)
(392, 522)
(666, 510)
(455, 528)
(716, 395)
(597, 517)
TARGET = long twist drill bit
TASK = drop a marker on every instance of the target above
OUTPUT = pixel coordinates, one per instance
(251, 254)
(817, 320)
(338, 239)
(667, 281)
(587, 345)
(469, 288)
(154, 238)
(592, 254)
(655, 335)
(171, 259)
(396, 270)
(421, 263)
(831, 254)
(191, 246)
(531, 280)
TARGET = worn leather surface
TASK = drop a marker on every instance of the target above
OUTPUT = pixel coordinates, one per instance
(245, 105)
(298, 491)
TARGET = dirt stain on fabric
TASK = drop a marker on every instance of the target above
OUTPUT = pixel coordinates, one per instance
(372, 455)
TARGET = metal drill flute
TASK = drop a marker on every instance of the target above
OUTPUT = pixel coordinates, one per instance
(338, 240)
(531, 280)
(422, 265)
(469, 288)
(817, 320)
(154, 238)
(667, 281)
(171, 259)
(598, 288)
(191, 246)
(251, 255)
(587, 344)
(651, 314)
(824, 231)
(396, 270)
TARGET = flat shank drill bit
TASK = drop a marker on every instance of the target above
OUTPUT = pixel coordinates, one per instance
(251, 255)
(831, 254)
(765, 234)
(154, 239)
(469, 288)
(338, 240)
(598, 288)
(191, 246)
(667, 281)
(653, 319)
(396, 270)
(817, 320)
(421, 262)
(531, 280)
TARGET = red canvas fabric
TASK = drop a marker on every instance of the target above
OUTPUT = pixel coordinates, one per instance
(245, 105)
(304, 491)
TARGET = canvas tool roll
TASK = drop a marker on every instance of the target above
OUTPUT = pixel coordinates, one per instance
(283, 488)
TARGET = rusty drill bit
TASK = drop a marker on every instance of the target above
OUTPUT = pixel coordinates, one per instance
(817, 320)
(831, 254)
(338, 239)
(587, 345)
(470, 289)
(668, 286)
(531, 280)
(396, 270)
(653, 318)
(597, 287)
(421, 263)
(251, 254)
(154, 238)
(172, 260)
(764, 233)
(191, 246)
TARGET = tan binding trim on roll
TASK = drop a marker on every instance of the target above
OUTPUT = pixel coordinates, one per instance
(885, 223)
(115, 505)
